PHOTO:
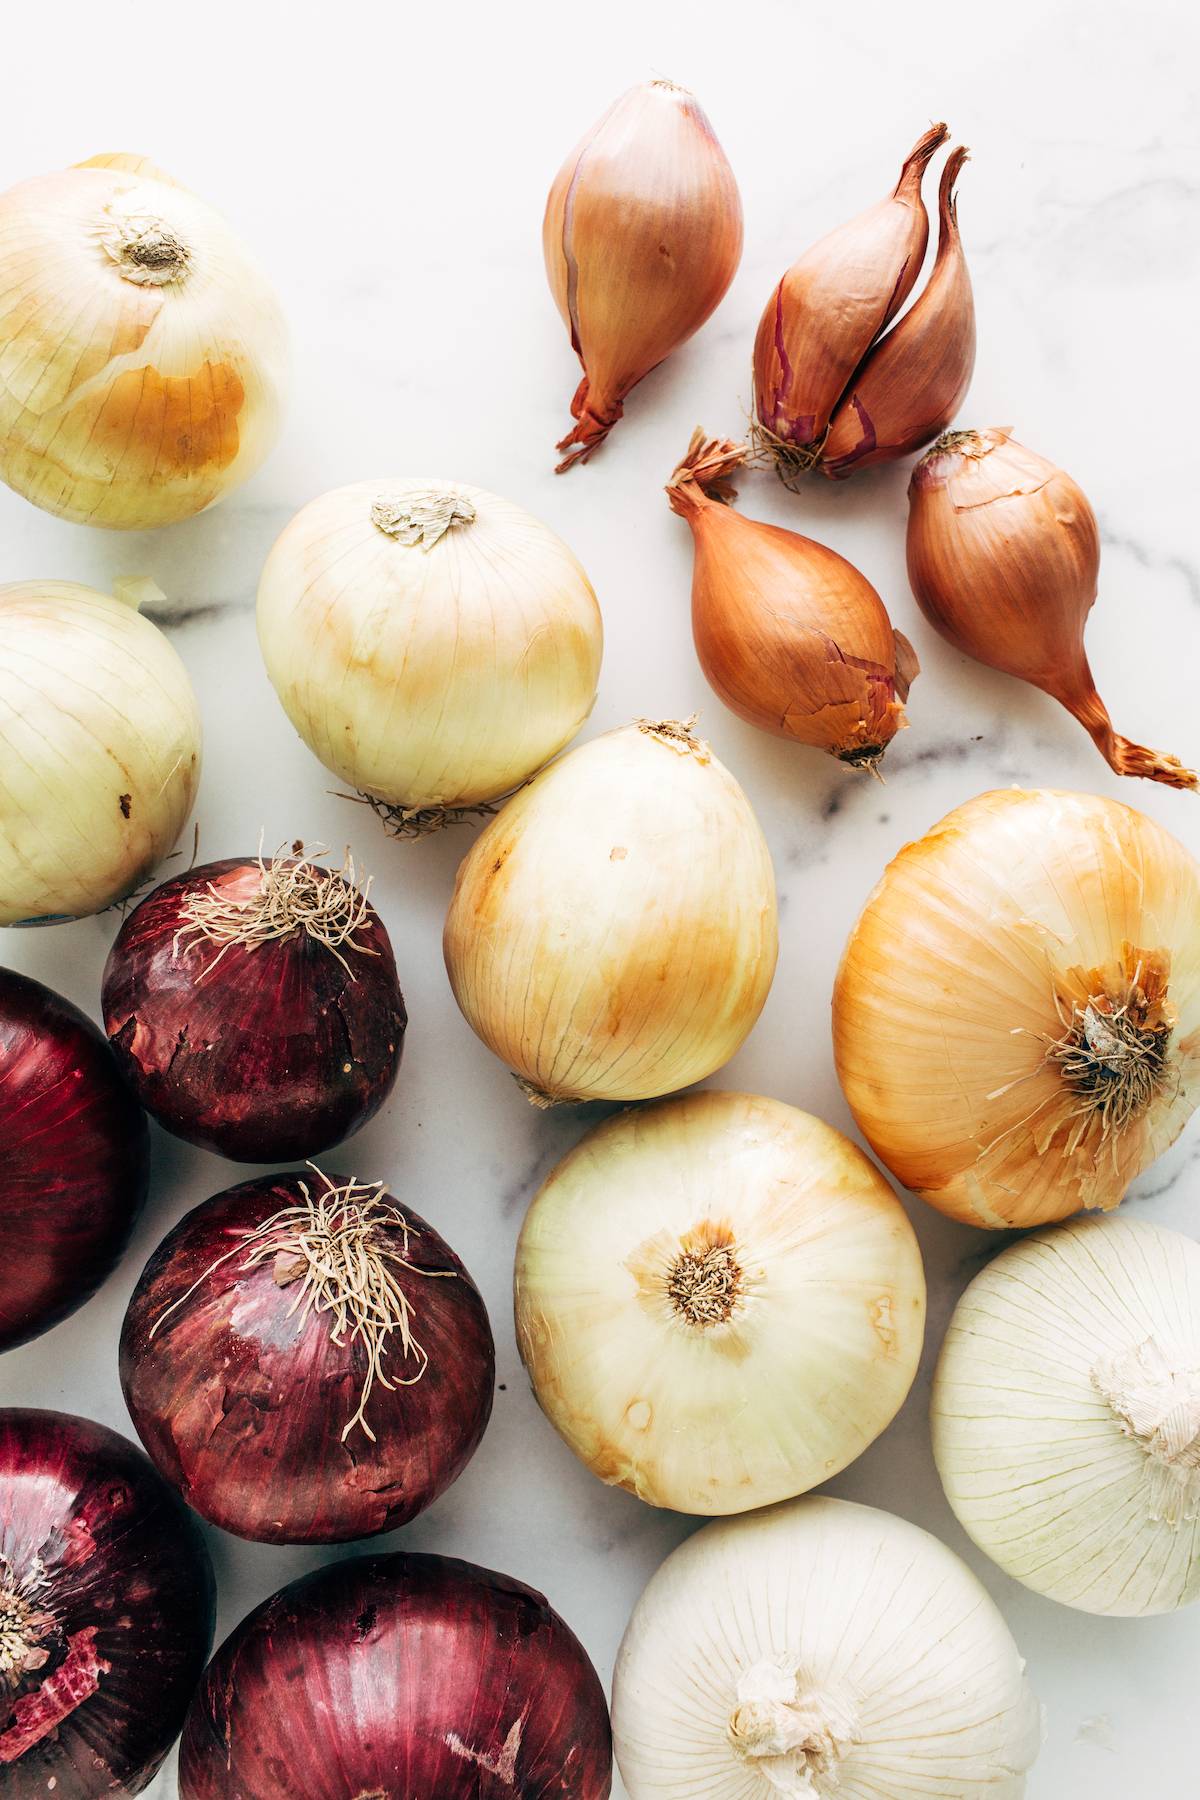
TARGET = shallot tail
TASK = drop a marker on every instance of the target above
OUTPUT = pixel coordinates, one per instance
(1124, 756)
(918, 159)
(706, 473)
(592, 426)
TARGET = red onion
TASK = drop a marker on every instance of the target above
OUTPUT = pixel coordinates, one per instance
(413, 1676)
(76, 1159)
(254, 1007)
(106, 1610)
(307, 1360)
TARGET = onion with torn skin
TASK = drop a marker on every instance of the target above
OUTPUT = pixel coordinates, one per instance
(1016, 1019)
(1066, 1415)
(719, 1300)
(142, 354)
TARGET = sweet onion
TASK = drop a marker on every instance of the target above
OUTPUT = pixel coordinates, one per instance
(414, 1676)
(254, 1008)
(307, 1360)
(106, 1610)
(76, 1159)
(719, 1300)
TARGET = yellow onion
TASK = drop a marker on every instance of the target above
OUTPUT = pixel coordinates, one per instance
(1017, 1014)
(612, 934)
(719, 1300)
(99, 749)
(790, 635)
(1004, 559)
(642, 237)
(432, 643)
(141, 351)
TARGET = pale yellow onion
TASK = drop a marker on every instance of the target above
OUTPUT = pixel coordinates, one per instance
(432, 643)
(818, 1648)
(719, 1300)
(612, 934)
(99, 749)
(1017, 1014)
(1066, 1415)
(141, 351)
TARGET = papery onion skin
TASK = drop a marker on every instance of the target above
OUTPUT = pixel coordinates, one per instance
(612, 933)
(271, 1053)
(913, 381)
(824, 1314)
(244, 1409)
(831, 304)
(76, 1159)
(820, 1648)
(436, 674)
(99, 750)
(1004, 561)
(642, 237)
(121, 1590)
(450, 1681)
(978, 953)
(142, 352)
(791, 636)
(1066, 1415)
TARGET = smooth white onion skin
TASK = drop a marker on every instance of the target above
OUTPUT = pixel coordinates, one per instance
(99, 750)
(858, 1645)
(980, 949)
(1066, 1415)
(825, 1317)
(613, 933)
(126, 399)
(442, 675)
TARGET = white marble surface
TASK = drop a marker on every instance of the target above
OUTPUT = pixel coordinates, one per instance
(390, 167)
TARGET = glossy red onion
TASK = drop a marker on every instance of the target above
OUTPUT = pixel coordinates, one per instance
(254, 1008)
(75, 1156)
(307, 1360)
(399, 1678)
(106, 1610)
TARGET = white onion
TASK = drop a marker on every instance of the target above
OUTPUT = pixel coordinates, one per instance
(612, 934)
(820, 1649)
(99, 749)
(141, 351)
(1066, 1415)
(432, 643)
(719, 1300)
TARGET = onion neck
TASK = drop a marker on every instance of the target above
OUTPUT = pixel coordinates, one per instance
(146, 250)
(1155, 1394)
(792, 1730)
(422, 517)
(677, 735)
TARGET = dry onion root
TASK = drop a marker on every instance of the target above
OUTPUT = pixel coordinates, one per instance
(1017, 1013)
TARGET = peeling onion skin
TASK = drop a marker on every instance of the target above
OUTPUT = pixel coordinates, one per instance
(76, 1159)
(404, 1678)
(274, 1054)
(128, 1581)
(244, 1413)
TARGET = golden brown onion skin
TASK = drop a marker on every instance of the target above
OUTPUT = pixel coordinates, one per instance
(642, 237)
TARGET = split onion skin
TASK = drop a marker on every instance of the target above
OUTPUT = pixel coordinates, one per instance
(243, 1409)
(76, 1159)
(399, 1675)
(612, 933)
(271, 1054)
(822, 1342)
(123, 402)
(979, 949)
(128, 1582)
(1066, 1466)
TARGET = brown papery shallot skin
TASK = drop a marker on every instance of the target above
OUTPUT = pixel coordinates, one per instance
(829, 308)
(1004, 559)
(642, 237)
(790, 635)
(915, 379)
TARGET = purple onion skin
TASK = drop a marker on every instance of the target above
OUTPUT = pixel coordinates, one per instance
(244, 1413)
(274, 1053)
(74, 1159)
(399, 1678)
(128, 1581)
